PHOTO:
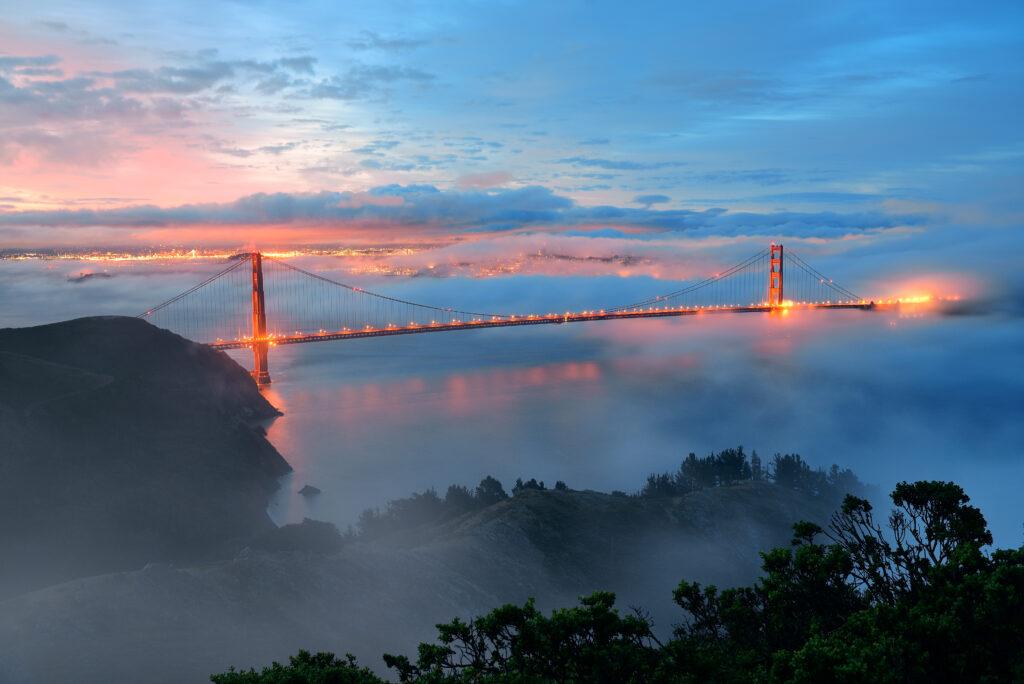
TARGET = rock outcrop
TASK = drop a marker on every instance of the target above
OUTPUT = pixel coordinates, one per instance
(123, 444)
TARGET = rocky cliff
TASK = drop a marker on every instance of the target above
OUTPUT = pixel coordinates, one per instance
(123, 444)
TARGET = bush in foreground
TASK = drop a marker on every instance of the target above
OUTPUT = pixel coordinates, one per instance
(916, 599)
(304, 668)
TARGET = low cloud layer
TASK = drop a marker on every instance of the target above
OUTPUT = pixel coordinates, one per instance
(469, 209)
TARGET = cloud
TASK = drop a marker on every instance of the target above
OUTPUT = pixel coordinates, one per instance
(176, 80)
(648, 200)
(90, 117)
(364, 80)
(368, 40)
(609, 233)
(244, 153)
(274, 84)
(388, 165)
(12, 62)
(618, 164)
(300, 65)
(30, 94)
(751, 176)
(465, 210)
(483, 180)
(35, 102)
(376, 147)
(822, 197)
(203, 72)
(79, 148)
(80, 35)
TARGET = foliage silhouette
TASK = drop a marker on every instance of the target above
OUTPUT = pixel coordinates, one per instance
(918, 599)
(732, 465)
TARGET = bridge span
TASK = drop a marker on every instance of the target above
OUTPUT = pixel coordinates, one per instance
(547, 319)
(230, 309)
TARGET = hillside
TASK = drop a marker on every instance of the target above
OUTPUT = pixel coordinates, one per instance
(167, 624)
(134, 470)
(124, 444)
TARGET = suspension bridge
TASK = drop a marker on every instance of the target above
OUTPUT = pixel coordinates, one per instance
(259, 302)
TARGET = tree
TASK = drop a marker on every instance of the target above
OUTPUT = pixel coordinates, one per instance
(756, 469)
(490, 492)
(459, 499)
(427, 507)
(932, 525)
(659, 485)
(917, 599)
(304, 668)
(400, 514)
(842, 481)
(532, 483)
(940, 608)
(731, 466)
(590, 642)
(696, 473)
(791, 471)
(804, 591)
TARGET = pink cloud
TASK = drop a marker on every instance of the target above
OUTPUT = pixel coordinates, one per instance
(366, 199)
(489, 179)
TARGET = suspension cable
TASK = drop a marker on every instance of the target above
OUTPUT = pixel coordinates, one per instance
(696, 286)
(380, 296)
(820, 276)
(189, 291)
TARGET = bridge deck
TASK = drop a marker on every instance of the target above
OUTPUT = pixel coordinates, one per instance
(550, 319)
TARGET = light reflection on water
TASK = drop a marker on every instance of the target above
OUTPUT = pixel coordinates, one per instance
(895, 395)
(363, 440)
(602, 405)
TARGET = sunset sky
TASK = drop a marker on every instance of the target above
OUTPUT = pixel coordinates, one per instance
(552, 156)
(886, 130)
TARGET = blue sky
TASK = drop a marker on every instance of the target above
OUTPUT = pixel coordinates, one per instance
(647, 142)
(881, 127)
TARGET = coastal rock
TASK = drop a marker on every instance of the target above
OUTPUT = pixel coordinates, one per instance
(124, 444)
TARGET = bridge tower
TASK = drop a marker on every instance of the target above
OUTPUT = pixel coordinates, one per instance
(260, 369)
(775, 276)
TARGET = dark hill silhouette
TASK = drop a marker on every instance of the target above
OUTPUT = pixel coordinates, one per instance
(131, 462)
(124, 444)
(293, 589)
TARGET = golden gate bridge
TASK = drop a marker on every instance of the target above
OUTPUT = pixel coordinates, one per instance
(260, 301)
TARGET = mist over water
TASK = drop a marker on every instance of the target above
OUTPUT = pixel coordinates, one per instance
(893, 395)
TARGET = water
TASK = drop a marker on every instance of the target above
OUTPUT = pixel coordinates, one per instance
(911, 395)
(602, 405)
